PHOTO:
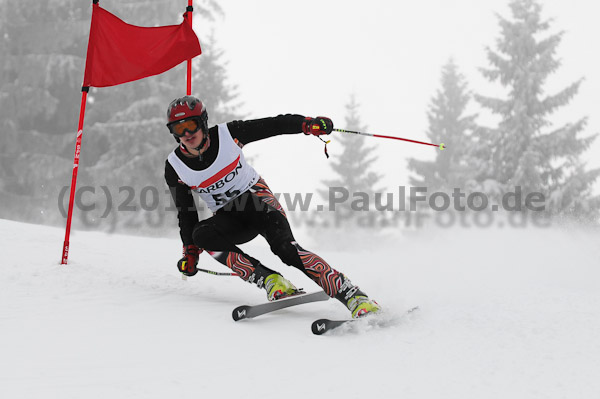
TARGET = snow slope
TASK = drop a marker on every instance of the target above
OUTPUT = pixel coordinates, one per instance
(503, 314)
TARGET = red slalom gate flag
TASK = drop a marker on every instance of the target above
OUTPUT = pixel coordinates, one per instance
(119, 52)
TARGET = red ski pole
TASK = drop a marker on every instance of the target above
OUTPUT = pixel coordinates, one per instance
(441, 146)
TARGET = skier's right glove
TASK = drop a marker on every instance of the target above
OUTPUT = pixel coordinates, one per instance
(187, 264)
(317, 126)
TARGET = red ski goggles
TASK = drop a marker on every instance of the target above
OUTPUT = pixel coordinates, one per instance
(180, 128)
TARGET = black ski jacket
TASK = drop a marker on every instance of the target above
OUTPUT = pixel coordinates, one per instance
(244, 132)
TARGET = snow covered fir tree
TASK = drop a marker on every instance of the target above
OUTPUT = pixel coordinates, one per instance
(448, 124)
(525, 149)
(210, 74)
(352, 166)
(42, 47)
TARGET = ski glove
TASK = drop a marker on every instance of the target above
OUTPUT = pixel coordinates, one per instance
(187, 264)
(317, 126)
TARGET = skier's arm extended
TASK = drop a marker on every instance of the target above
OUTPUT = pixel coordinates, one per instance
(257, 129)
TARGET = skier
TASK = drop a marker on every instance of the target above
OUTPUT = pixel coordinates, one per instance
(211, 162)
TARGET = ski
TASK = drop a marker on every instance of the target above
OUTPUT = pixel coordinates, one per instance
(250, 311)
(321, 326)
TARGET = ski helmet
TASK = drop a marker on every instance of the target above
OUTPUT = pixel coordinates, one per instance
(187, 107)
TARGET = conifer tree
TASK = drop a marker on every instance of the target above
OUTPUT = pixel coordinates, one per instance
(211, 82)
(525, 149)
(43, 48)
(353, 168)
(39, 43)
(448, 124)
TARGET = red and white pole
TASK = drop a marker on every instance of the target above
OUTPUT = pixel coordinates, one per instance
(65, 254)
(189, 12)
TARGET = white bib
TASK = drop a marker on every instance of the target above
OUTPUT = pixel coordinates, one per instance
(228, 177)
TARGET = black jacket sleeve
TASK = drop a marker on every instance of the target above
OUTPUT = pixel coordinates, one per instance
(258, 129)
(184, 202)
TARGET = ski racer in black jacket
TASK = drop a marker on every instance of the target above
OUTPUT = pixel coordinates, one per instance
(211, 162)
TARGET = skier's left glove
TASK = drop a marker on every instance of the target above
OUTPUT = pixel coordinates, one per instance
(187, 264)
(317, 126)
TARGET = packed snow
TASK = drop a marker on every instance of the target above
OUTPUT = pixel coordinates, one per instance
(503, 314)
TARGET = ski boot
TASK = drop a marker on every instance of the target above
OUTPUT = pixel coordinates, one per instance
(279, 287)
(357, 302)
(361, 305)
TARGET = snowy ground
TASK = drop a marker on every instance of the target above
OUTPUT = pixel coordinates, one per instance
(503, 314)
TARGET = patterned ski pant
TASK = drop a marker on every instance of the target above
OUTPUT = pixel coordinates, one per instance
(257, 212)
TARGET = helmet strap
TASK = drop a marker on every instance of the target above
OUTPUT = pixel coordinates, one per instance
(203, 142)
(184, 148)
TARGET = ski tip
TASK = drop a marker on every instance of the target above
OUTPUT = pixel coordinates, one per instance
(319, 327)
(240, 313)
